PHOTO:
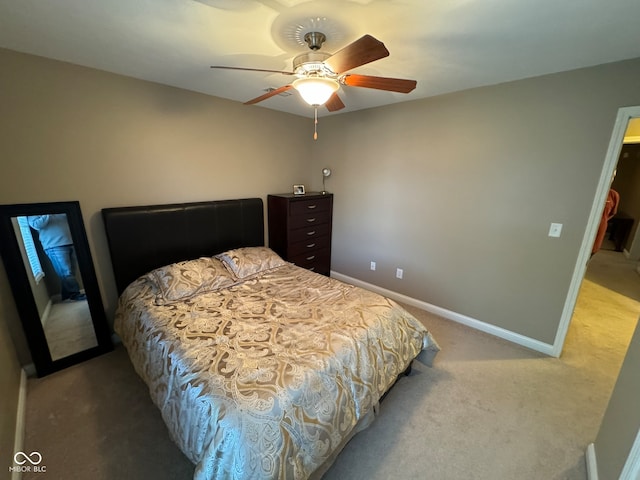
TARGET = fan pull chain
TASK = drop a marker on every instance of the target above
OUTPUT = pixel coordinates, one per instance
(315, 124)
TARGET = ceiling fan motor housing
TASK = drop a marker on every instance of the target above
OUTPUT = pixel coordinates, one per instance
(312, 63)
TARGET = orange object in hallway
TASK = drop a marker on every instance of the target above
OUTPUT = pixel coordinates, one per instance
(610, 209)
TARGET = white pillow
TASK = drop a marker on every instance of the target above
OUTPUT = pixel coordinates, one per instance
(247, 261)
(182, 280)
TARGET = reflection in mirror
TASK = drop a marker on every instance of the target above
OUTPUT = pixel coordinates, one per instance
(46, 254)
(50, 260)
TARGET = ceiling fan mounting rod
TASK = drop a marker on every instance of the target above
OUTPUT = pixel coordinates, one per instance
(314, 40)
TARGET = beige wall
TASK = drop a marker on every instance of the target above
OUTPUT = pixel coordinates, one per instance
(621, 422)
(10, 372)
(72, 133)
(466, 211)
(633, 130)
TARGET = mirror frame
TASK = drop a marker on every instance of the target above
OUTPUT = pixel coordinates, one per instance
(21, 288)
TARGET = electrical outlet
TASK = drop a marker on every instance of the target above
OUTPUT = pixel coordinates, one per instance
(373, 265)
(399, 273)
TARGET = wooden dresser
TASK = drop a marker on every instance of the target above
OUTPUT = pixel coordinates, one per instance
(300, 229)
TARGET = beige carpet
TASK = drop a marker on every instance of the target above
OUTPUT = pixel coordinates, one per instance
(69, 329)
(606, 314)
(487, 410)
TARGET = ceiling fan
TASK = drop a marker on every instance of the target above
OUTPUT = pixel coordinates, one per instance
(319, 74)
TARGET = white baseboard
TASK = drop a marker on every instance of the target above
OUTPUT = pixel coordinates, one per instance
(18, 441)
(45, 314)
(592, 465)
(30, 370)
(516, 338)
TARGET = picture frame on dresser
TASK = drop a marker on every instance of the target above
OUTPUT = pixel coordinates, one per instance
(298, 189)
(300, 228)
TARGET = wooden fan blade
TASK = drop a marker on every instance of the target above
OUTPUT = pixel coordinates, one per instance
(379, 83)
(334, 103)
(252, 69)
(364, 50)
(269, 94)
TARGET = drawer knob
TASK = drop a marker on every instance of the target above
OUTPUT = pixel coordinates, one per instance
(311, 257)
(311, 207)
(312, 232)
(312, 268)
(311, 245)
(311, 220)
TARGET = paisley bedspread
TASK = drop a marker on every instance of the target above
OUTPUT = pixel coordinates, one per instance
(266, 377)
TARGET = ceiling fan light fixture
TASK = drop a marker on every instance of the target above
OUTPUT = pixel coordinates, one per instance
(316, 91)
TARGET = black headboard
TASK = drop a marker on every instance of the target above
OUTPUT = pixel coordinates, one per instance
(147, 237)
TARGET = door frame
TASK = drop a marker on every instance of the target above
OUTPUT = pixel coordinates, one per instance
(632, 464)
(609, 166)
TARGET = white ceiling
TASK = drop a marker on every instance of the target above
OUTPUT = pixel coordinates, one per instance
(446, 45)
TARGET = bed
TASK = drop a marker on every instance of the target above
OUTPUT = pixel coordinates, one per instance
(261, 369)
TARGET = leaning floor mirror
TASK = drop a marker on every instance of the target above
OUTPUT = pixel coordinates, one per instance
(46, 254)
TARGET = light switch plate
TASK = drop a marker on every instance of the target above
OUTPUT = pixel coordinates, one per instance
(555, 230)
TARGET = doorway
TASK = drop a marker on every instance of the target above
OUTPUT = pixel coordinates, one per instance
(610, 162)
(608, 304)
(625, 115)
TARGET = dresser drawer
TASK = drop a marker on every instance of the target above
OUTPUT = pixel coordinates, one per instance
(308, 246)
(310, 232)
(308, 219)
(302, 207)
(318, 261)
